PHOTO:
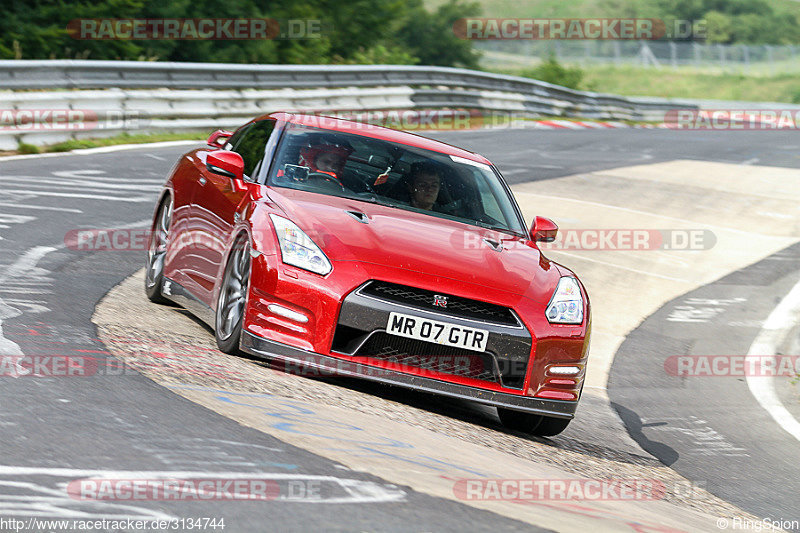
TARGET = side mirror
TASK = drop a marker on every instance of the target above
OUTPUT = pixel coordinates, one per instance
(543, 230)
(225, 163)
(219, 138)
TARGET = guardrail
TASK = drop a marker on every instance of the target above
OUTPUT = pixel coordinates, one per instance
(148, 96)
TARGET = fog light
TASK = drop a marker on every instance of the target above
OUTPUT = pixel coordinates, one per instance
(564, 370)
(287, 313)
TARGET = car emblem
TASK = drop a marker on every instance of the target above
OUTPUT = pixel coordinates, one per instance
(439, 300)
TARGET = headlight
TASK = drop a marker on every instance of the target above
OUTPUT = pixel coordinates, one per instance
(298, 249)
(566, 305)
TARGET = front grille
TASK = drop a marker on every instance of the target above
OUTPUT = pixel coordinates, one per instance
(429, 356)
(456, 306)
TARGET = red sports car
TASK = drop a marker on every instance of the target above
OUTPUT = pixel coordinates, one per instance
(337, 247)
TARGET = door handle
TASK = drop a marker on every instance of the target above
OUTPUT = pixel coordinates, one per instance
(202, 180)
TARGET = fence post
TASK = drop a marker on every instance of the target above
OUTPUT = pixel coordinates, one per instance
(768, 48)
(673, 54)
(746, 58)
(647, 55)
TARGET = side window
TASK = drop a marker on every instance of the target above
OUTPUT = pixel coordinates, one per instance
(489, 201)
(252, 144)
(236, 138)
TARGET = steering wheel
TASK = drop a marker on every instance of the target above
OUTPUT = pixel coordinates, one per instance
(327, 178)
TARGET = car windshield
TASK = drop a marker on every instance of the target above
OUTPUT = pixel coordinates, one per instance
(395, 175)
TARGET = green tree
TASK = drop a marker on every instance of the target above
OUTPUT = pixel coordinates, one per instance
(719, 27)
(354, 31)
(430, 36)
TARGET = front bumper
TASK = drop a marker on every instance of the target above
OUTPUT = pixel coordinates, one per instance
(310, 363)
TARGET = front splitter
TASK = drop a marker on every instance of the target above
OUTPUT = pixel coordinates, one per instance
(327, 365)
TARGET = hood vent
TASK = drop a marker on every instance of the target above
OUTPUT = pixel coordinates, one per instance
(358, 215)
(494, 245)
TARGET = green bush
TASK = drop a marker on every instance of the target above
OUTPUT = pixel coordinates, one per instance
(24, 148)
(554, 72)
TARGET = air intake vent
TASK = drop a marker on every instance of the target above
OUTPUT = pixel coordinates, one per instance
(429, 356)
(456, 306)
(361, 217)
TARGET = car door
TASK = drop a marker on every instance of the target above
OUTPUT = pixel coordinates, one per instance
(214, 207)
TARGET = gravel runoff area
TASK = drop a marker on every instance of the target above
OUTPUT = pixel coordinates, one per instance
(171, 347)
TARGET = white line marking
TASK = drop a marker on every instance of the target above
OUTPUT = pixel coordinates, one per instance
(102, 150)
(24, 264)
(87, 184)
(777, 326)
(29, 193)
(635, 211)
(42, 207)
(620, 266)
(359, 491)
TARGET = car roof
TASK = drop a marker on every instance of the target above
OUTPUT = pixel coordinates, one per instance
(376, 132)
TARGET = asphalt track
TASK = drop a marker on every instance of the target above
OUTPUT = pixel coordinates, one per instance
(54, 430)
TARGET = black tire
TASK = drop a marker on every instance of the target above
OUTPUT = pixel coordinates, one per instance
(519, 421)
(551, 426)
(156, 253)
(233, 297)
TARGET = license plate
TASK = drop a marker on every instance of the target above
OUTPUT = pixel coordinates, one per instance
(423, 329)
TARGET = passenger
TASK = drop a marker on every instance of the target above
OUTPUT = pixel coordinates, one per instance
(424, 183)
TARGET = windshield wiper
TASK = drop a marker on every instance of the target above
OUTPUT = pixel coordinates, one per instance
(496, 228)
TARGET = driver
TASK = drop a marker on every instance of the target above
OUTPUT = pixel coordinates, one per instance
(325, 158)
(424, 185)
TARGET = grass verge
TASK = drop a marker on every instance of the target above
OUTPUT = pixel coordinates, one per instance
(667, 82)
(124, 138)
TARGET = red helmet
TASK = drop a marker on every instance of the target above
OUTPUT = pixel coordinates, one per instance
(309, 154)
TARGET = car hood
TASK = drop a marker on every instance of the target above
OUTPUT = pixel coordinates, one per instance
(350, 230)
